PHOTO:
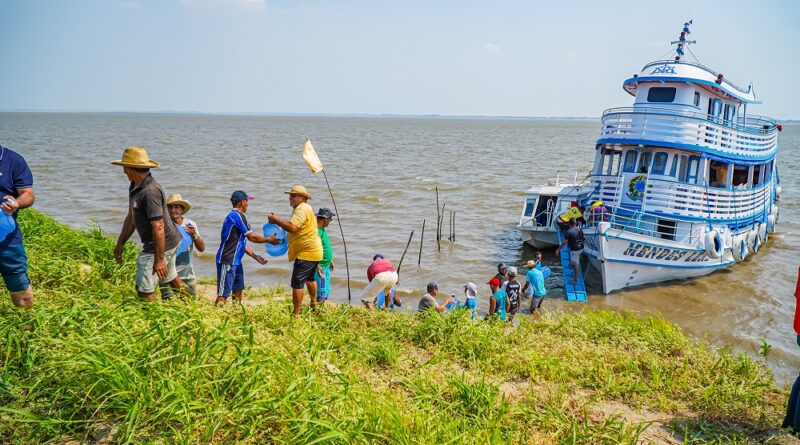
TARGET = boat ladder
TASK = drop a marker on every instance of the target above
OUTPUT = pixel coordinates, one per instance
(575, 292)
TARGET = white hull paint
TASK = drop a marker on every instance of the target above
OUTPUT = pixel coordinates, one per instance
(540, 239)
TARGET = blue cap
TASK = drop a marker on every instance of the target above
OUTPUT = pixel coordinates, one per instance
(239, 195)
(377, 255)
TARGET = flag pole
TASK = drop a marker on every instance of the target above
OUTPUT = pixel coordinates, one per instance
(339, 221)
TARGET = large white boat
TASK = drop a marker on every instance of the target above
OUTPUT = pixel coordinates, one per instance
(687, 179)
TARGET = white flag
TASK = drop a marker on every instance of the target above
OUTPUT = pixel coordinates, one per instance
(311, 158)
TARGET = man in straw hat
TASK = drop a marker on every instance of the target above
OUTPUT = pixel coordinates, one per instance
(235, 234)
(147, 214)
(16, 192)
(305, 246)
(178, 208)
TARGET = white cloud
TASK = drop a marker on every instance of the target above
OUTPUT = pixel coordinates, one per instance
(490, 47)
(252, 5)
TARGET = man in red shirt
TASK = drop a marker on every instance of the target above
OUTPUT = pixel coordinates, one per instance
(382, 276)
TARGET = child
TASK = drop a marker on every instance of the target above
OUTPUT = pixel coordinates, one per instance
(323, 273)
(513, 288)
(471, 298)
(498, 302)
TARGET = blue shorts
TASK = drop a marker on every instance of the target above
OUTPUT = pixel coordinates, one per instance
(229, 278)
(323, 283)
(14, 267)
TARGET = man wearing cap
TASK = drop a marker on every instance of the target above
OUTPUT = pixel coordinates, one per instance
(429, 299)
(513, 288)
(147, 213)
(498, 302)
(502, 273)
(324, 268)
(16, 190)
(235, 234)
(534, 284)
(177, 208)
(305, 247)
(382, 276)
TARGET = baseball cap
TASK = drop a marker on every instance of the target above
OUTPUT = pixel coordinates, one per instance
(239, 195)
(377, 255)
(512, 271)
(493, 282)
(471, 290)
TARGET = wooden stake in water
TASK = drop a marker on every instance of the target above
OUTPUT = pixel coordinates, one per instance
(421, 239)
(438, 222)
(404, 252)
(454, 226)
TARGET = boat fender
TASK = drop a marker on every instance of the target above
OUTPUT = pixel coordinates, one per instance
(771, 223)
(762, 232)
(713, 244)
(603, 227)
(739, 248)
(753, 240)
(778, 190)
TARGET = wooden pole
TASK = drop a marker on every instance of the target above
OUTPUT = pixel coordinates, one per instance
(421, 239)
(404, 253)
(454, 226)
(438, 222)
(339, 220)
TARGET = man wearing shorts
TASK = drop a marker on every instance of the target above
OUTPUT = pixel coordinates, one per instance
(573, 239)
(148, 215)
(534, 285)
(382, 276)
(235, 234)
(305, 247)
(16, 190)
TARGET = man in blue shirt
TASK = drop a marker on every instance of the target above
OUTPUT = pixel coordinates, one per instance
(535, 280)
(235, 233)
(16, 189)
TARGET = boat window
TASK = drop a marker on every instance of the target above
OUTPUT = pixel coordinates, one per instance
(528, 208)
(696, 98)
(714, 107)
(661, 94)
(659, 163)
(718, 174)
(544, 209)
(684, 168)
(740, 173)
(730, 111)
(630, 161)
(757, 169)
(691, 170)
(666, 229)
(674, 169)
(609, 163)
(644, 162)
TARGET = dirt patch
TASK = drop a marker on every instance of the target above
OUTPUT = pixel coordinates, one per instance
(656, 433)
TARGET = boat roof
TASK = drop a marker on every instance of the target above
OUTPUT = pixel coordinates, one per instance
(680, 71)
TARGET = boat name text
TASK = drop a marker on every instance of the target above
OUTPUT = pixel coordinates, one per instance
(664, 253)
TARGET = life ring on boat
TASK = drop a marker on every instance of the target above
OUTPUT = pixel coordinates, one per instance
(739, 247)
(713, 244)
(636, 187)
(754, 240)
(771, 219)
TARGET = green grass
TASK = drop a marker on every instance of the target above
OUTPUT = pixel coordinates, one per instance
(91, 355)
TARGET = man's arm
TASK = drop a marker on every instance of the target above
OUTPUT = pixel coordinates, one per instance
(198, 242)
(563, 243)
(159, 265)
(258, 239)
(124, 235)
(261, 260)
(22, 201)
(525, 287)
(282, 223)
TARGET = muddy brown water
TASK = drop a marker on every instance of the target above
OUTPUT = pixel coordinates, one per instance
(383, 172)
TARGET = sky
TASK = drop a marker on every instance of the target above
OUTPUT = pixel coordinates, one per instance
(490, 58)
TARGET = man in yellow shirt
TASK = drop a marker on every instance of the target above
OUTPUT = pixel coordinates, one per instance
(305, 246)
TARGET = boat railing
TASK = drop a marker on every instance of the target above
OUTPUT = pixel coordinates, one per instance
(635, 223)
(548, 211)
(712, 203)
(758, 137)
(698, 65)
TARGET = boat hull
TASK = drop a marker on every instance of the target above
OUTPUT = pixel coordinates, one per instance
(540, 239)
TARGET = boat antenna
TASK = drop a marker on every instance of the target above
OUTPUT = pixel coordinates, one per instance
(681, 42)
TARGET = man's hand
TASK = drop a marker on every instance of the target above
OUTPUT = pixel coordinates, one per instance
(10, 204)
(558, 251)
(261, 260)
(191, 230)
(160, 268)
(320, 271)
(118, 252)
(449, 300)
(333, 265)
(272, 217)
(272, 240)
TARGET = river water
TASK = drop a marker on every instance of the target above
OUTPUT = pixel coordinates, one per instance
(383, 172)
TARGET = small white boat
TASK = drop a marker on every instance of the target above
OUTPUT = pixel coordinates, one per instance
(688, 180)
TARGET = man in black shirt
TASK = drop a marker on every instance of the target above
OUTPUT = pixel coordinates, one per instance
(148, 215)
(513, 290)
(573, 239)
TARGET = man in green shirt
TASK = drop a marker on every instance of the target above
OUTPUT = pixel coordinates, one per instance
(324, 268)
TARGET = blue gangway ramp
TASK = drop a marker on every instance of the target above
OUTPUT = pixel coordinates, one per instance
(575, 292)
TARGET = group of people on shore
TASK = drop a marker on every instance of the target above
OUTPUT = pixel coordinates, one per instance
(169, 238)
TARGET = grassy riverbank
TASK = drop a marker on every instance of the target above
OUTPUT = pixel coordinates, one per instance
(92, 363)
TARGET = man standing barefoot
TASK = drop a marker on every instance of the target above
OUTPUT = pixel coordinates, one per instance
(16, 190)
(148, 215)
(305, 247)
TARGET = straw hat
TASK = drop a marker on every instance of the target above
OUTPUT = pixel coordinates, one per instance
(177, 199)
(299, 190)
(136, 157)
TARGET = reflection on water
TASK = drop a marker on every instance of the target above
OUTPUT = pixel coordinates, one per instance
(384, 172)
